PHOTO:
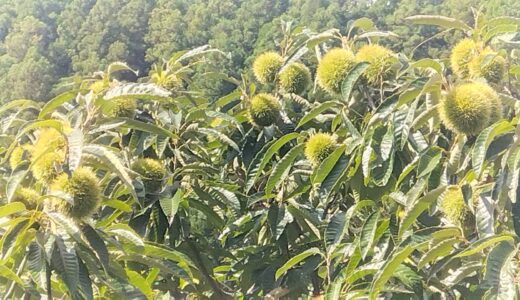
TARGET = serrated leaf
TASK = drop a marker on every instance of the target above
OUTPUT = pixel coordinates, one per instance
(484, 215)
(495, 262)
(428, 161)
(148, 91)
(483, 141)
(368, 234)
(171, 205)
(295, 260)
(113, 163)
(350, 80)
(418, 207)
(441, 21)
(388, 269)
(221, 137)
(97, 244)
(326, 166)
(75, 145)
(57, 101)
(266, 153)
(85, 283)
(146, 127)
(313, 113)
(282, 168)
(441, 249)
(65, 261)
(481, 244)
(11, 208)
(139, 282)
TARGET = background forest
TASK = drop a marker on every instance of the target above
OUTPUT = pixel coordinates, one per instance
(42, 41)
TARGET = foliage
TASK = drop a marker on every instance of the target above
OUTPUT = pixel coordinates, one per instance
(347, 190)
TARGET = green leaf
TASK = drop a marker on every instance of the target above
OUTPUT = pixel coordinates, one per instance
(483, 141)
(57, 101)
(266, 153)
(278, 217)
(484, 215)
(18, 104)
(97, 244)
(221, 137)
(126, 232)
(428, 161)
(377, 34)
(118, 204)
(146, 91)
(313, 113)
(428, 63)
(139, 282)
(10, 275)
(65, 261)
(335, 177)
(282, 168)
(323, 170)
(75, 145)
(438, 250)
(118, 66)
(146, 127)
(350, 81)
(170, 206)
(368, 234)
(438, 21)
(113, 163)
(11, 208)
(335, 230)
(495, 262)
(388, 270)
(162, 252)
(85, 283)
(295, 260)
(481, 244)
(322, 37)
(418, 207)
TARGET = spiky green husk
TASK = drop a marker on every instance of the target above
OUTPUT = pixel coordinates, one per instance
(461, 54)
(47, 167)
(98, 86)
(266, 66)
(122, 108)
(496, 105)
(49, 139)
(488, 64)
(85, 192)
(318, 147)
(16, 157)
(295, 78)
(467, 108)
(381, 60)
(452, 205)
(264, 109)
(152, 171)
(334, 68)
(27, 196)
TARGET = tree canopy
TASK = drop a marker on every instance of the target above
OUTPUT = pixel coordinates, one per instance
(61, 38)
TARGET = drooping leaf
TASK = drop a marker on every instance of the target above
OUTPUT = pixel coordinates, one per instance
(282, 168)
(350, 80)
(368, 234)
(441, 21)
(418, 207)
(295, 260)
(147, 91)
(388, 269)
